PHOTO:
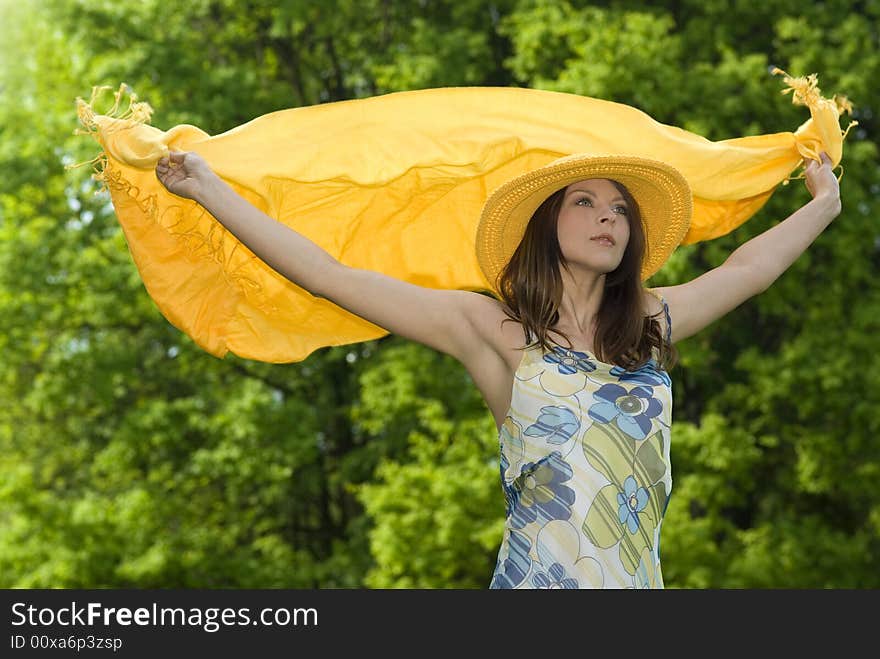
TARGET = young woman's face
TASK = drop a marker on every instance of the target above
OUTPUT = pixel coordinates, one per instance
(591, 207)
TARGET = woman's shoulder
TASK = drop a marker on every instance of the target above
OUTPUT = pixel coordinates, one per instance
(486, 314)
(497, 345)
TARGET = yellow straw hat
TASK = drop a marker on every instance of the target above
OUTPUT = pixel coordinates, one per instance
(662, 193)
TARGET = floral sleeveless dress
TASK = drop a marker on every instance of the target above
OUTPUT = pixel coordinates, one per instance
(586, 472)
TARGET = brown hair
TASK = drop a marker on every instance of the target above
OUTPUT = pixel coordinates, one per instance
(530, 288)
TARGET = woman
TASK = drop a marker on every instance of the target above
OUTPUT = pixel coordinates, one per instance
(584, 428)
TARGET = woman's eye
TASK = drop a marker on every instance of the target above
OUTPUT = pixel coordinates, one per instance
(617, 209)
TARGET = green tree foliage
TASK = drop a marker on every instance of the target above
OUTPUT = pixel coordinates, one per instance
(131, 458)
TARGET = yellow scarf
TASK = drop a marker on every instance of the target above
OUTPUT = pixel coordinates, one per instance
(394, 183)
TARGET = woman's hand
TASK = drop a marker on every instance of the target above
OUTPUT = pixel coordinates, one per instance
(185, 173)
(821, 181)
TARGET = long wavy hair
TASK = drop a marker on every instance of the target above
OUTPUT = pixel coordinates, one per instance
(530, 288)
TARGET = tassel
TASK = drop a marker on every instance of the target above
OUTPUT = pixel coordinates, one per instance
(806, 89)
(203, 240)
(137, 112)
(843, 104)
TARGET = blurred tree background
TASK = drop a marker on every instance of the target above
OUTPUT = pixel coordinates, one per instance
(131, 458)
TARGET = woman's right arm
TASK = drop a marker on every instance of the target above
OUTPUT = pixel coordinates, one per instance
(188, 175)
(443, 319)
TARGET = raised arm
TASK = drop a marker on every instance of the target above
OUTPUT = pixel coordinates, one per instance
(756, 264)
(438, 318)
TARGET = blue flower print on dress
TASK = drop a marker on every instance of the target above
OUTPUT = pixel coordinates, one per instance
(556, 424)
(560, 373)
(647, 374)
(631, 502)
(541, 494)
(512, 568)
(569, 362)
(553, 578)
(632, 410)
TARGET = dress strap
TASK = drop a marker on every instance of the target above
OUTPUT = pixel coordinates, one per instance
(668, 321)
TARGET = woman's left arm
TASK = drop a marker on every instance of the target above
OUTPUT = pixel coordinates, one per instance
(756, 264)
(770, 254)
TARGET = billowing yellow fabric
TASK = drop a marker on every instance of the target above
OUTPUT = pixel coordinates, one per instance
(393, 183)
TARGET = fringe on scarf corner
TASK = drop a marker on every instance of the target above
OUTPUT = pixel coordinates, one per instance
(138, 112)
(200, 245)
(805, 91)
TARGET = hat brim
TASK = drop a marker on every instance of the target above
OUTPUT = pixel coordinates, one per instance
(661, 191)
